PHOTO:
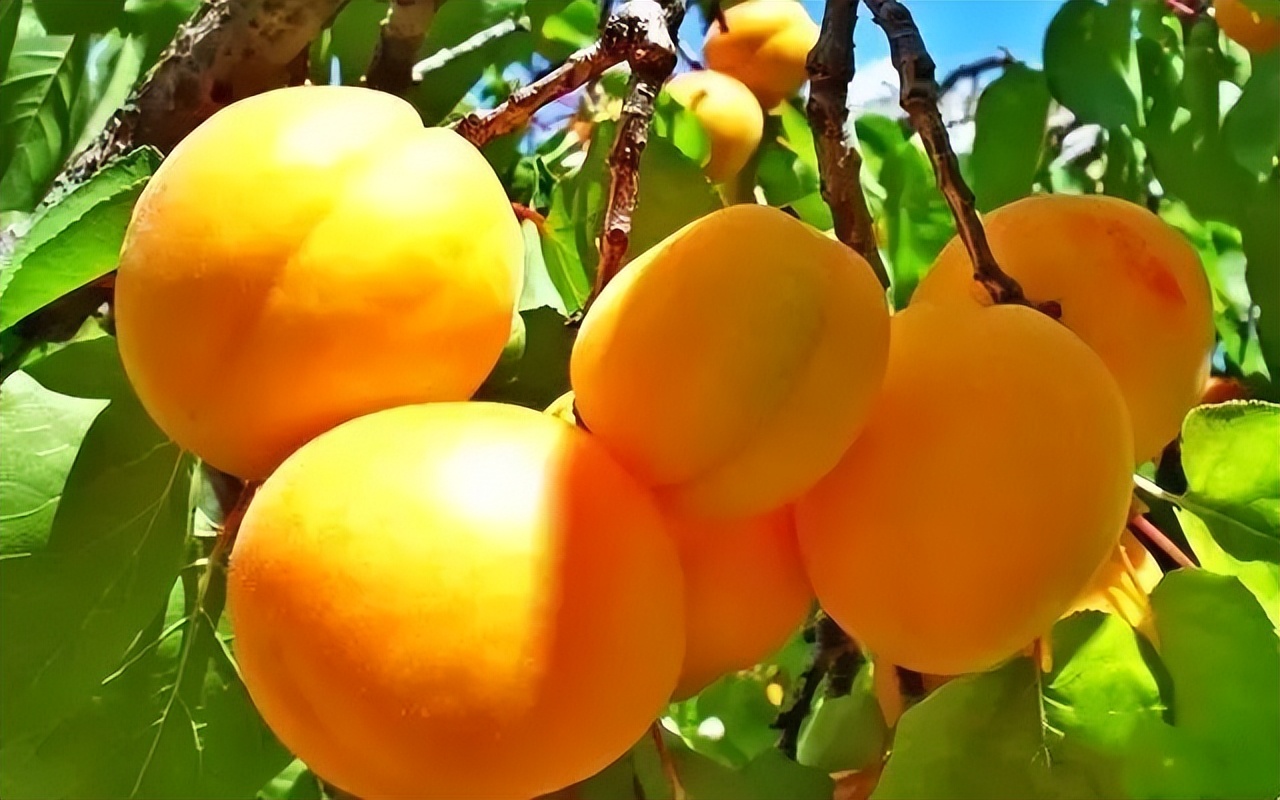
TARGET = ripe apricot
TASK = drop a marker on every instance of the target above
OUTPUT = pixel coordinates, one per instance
(765, 47)
(1246, 27)
(1130, 286)
(456, 600)
(729, 113)
(306, 256)
(990, 481)
(745, 592)
(732, 363)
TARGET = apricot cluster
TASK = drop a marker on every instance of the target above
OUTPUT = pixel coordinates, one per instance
(436, 597)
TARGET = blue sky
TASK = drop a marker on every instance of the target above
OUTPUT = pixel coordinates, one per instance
(955, 31)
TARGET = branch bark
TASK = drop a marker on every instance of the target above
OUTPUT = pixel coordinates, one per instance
(399, 40)
(229, 50)
(831, 68)
(919, 98)
(837, 658)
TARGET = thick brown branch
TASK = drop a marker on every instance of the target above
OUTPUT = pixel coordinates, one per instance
(830, 66)
(919, 98)
(836, 657)
(399, 40)
(229, 50)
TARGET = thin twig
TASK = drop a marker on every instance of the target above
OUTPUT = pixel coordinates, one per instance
(975, 69)
(837, 658)
(399, 39)
(919, 98)
(1143, 529)
(439, 60)
(831, 68)
(668, 764)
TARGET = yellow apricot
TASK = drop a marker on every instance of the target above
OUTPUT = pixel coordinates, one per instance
(1130, 286)
(1246, 27)
(306, 256)
(729, 113)
(990, 481)
(456, 600)
(731, 364)
(562, 408)
(765, 47)
(746, 592)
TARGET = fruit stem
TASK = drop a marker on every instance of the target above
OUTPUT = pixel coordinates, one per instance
(831, 68)
(1152, 535)
(919, 98)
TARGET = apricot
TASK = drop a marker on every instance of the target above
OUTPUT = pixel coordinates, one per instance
(1130, 286)
(562, 408)
(456, 600)
(765, 47)
(1122, 584)
(991, 480)
(729, 113)
(746, 592)
(1246, 27)
(730, 365)
(306, 256)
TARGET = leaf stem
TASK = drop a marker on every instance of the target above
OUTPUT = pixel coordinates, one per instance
(1149, 533)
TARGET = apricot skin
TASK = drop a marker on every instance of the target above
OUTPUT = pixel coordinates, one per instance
(746, 592)
(1130, 286)
(730, 365)
(426, 604)
(991, 480)
(306, 256)
(729, 113)
(1246, 27)
(765, 47)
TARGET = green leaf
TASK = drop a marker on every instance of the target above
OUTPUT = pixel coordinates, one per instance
(75, 241)
(1262, 254)
(560, 252)
(844, 733)
(538, 290)
(768, 776)
(72, 604)
(542, 371)
(351, 40)
(39, 118)
(42, 431)
(155, 22)
(1252, 126)
(731, 720)
(563, 26)
(453, 24)
(1124, 176)
(1229, 454)
(295, 782)
(115, 65)
(1223, 657)
(788, 167)
(1262, 578)
(681, 126)
(10, 12)
(1011, 121)
(71, 17)
(1013, 733)
(1090, 64)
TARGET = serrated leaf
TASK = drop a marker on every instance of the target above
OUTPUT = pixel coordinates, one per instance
(39, 121)
(1013, 733)
(1223, 657)
(75, 241)
(1090, 64)
(1011, 121)
(73, 604)
(1229, 453)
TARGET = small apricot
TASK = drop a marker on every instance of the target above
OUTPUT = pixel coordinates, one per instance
(1129, 285)
(1246, 27)
(746, 592)
(306, 256)
(729, 113)
(990, 481)
(730, 365)
(456, 600)
(765, 47)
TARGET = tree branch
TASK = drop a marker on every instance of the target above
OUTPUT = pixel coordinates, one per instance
(837, 658)
(229, 50)
(974, 69)
(831, 68)
(479, 39)
(399, 39)
(919, 98)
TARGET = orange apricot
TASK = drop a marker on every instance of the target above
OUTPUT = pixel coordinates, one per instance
(990, 481)
(729, 113)
(765, 47)
(456, 600)
(1246, 27)
(306, 256)
(1129, 284)
(731, 364)
(746, 592)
